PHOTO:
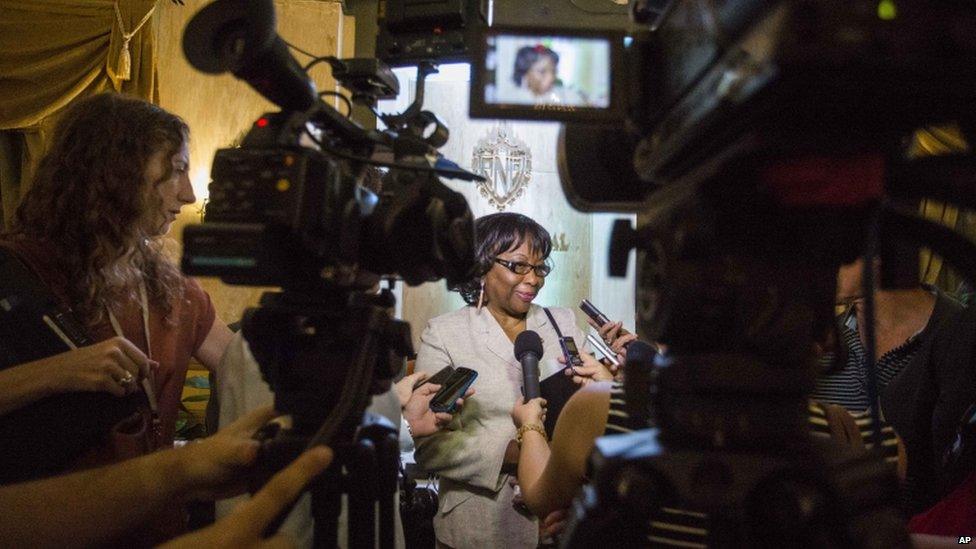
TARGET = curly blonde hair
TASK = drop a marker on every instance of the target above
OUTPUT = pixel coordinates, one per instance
(90, 200)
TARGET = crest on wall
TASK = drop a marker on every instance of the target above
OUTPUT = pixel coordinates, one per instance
(505, 162)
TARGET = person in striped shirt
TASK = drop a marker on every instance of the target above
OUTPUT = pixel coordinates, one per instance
(925, 374)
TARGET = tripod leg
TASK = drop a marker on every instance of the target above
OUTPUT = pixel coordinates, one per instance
(388, 456)
(326, 506)
(362, 494)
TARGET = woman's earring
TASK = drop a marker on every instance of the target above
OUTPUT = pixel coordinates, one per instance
(481, 296)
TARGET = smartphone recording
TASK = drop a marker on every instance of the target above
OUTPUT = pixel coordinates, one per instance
(594, 313)
(546, 74)
(453, 388)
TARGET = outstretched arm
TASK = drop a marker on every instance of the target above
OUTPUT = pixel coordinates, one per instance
(214, 345)
(245, 526)
(550, 476)
(96, 506)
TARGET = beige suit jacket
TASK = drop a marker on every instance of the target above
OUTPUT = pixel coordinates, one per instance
(475, 498)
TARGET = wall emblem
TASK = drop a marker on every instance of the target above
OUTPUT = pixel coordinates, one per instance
(506, 162)
(559, 242)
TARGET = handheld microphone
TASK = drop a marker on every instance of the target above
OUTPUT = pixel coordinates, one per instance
(637, 383)
(528, 351)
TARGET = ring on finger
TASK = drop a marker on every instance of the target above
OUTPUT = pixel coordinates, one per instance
(126, 379)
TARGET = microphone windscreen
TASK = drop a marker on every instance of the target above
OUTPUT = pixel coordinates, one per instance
(239, 36)
(526, 342)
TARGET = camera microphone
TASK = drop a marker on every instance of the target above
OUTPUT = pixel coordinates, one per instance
(528, 351)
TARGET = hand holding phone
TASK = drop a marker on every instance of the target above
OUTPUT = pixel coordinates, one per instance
(451, 390)
(606, 351)
(439, 378)
(594, 313)
(570, 351)
(612, 335)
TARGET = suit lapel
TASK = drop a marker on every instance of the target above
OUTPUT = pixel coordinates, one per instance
(494, 337)
(536, 319)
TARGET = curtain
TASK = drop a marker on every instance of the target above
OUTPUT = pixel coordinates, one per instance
(53, 52)
(935, 141)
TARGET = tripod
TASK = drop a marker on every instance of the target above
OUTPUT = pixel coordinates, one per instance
(740, 291)
(323, 354)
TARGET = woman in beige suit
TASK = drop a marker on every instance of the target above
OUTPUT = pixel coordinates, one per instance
(476, 455)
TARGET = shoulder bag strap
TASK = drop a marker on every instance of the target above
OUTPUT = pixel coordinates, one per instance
(553, 321)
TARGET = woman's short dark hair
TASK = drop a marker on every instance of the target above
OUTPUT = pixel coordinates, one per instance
(495, 234)
(527, 56)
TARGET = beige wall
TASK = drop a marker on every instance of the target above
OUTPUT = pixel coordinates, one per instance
(220, 109)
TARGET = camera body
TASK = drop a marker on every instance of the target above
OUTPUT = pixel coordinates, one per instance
(696, 86)
(267, 217)
(290, 207)
(288, 211)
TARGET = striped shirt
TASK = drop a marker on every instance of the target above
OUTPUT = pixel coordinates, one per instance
(687, 528)
(847, 386)
(671, 527)
(819, 428)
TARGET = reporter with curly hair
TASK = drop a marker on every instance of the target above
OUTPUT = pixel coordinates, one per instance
(91, 229)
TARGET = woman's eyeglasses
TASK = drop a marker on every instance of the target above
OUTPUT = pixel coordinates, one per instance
(520, 268)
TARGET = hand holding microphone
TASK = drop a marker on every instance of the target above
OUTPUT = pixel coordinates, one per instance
(530, 412)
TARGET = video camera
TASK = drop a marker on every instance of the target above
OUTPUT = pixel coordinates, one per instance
(289, 208)
(761, 144)
(694, 84)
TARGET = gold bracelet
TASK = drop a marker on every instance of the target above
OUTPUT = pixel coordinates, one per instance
(530, 427)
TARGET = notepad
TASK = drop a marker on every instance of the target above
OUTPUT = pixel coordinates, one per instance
(556, 389)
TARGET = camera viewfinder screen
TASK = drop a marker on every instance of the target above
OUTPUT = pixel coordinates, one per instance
(562, 71)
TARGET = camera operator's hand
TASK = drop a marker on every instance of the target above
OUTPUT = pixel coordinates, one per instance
(591, 370)
(532, 412)
(94, 507)
(404, 387)
(217, 466)
(614, 335)
(245, 526)
(422, 420)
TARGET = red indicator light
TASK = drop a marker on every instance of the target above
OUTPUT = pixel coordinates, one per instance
(438, 30)
(261, 123)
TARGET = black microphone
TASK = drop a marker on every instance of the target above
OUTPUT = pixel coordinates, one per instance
(637, 383)
(528, 351)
